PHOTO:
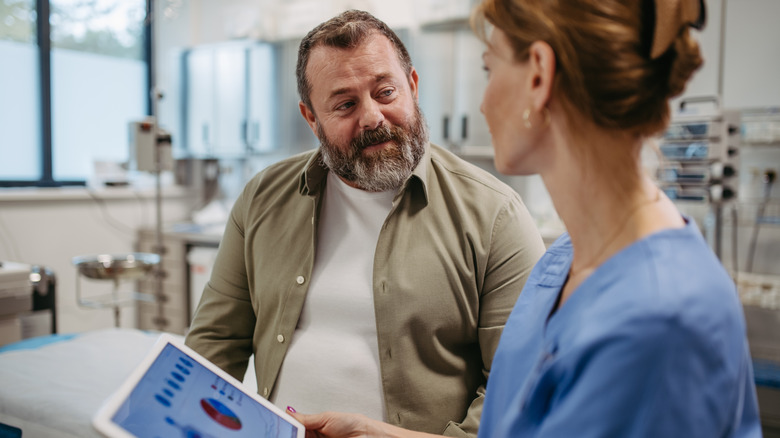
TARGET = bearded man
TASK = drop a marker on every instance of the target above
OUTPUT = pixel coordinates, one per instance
(374, 274)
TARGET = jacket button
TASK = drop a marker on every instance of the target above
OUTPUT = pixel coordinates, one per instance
(300, 279)
(265, 392)
(280, 338)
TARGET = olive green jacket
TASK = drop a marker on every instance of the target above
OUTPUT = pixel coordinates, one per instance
(451, 259)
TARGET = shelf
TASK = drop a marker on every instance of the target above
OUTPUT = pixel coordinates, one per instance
(760, 143)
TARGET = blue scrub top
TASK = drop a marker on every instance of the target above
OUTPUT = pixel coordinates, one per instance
(652, 344)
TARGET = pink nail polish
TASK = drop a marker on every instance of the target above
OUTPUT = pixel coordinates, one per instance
(291, 409)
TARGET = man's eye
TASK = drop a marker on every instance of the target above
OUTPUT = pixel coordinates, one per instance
(345, 106)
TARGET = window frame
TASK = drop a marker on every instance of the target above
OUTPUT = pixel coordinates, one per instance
(43, 36)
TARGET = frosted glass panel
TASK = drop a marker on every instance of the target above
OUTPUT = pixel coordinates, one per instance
(94, 98)
(230, 91)
(20, 133)
(98, 82)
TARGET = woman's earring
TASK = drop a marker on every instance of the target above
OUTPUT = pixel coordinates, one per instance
(527, 118)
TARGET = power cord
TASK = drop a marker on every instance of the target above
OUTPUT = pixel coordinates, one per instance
(768, 179)
(119, 226)
(734, 247)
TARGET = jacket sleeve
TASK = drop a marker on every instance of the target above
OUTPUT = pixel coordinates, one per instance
(224, 322)
(516, 246)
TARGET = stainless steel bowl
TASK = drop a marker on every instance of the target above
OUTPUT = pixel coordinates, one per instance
(116, 266)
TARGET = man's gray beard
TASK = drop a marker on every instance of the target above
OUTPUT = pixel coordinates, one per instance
(383, 170)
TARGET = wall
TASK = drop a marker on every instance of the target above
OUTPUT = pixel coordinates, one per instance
(49, 227)
(752, 54)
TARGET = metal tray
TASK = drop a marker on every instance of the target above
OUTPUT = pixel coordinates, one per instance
(116, 266)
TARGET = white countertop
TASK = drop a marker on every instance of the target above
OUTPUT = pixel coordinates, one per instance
(71, 193)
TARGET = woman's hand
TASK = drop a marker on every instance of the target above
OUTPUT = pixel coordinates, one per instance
(341, 425)
(337, 424)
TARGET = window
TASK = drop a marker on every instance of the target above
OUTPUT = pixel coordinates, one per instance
(66, 97)
(20, 143)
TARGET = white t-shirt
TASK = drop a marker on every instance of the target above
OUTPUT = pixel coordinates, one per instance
(333, 359)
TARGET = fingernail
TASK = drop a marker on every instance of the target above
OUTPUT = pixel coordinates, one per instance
(291, 409)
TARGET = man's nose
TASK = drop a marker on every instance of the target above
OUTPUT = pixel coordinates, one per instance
(371, 116)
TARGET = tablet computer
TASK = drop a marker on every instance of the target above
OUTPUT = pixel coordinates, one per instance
(177, 392)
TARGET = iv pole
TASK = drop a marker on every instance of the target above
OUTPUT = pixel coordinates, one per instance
(159, 141)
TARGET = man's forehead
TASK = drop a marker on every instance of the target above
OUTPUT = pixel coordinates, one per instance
(372, 42)
(331, 62)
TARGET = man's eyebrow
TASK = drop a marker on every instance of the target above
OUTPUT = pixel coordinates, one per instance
(345, 90)
(339, 92)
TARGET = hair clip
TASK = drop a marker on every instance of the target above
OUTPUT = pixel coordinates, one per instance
(701, 20)
(670, 16)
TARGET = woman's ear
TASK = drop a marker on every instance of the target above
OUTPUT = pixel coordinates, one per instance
(541, 60)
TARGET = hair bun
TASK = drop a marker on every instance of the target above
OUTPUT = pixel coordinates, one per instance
(687, 59)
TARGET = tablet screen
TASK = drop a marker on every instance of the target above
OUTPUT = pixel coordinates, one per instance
(177, 396)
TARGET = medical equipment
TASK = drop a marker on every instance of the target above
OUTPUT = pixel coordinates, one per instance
(116, 268)
(15, 288)
(202, 175)
(150, 150)
(15, 299)
(150, 146)
(700, 152)
(700, 158)
(27, 304)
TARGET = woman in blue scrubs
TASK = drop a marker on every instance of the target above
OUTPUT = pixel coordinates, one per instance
(628, 326)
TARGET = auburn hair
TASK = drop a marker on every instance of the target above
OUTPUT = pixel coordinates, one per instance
(602, 52)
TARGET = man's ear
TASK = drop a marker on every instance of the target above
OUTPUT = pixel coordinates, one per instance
(413, 79)
(541, 59)
(308, 115)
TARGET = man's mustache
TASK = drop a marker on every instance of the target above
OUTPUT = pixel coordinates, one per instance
(375, 136)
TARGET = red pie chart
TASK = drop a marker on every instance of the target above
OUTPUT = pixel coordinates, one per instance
(220, 413)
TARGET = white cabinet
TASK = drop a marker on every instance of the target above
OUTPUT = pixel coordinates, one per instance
(227, 99)
(198, 101)
(200, 260)
(230, 67)
(261, 127)
(452, 82)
